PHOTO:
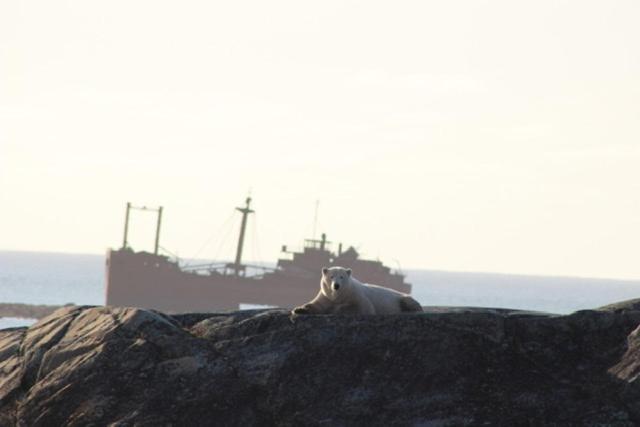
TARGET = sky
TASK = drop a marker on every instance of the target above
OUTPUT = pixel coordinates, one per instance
(462, 135)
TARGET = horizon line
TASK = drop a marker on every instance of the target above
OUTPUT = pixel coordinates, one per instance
(404, 269)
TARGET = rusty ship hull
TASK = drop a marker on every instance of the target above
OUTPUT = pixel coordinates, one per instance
(154, 281)
(142, 279)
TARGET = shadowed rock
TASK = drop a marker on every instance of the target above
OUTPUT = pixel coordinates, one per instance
(457, 366)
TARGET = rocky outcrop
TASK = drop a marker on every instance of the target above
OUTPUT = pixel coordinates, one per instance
(126, 366)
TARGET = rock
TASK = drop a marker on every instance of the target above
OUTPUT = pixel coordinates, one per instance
(629, 305)
(127, 366)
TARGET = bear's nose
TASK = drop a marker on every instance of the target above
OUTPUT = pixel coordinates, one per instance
(336, 286)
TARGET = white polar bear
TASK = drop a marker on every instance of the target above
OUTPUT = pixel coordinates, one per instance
(341, 293)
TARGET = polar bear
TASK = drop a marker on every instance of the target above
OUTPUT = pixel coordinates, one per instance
(341, 293)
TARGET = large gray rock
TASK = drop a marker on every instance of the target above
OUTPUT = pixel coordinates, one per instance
(103, 365)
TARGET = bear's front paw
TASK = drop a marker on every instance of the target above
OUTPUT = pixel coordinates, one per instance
(301, 310)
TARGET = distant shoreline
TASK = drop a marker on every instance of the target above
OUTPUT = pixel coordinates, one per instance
(27, 311)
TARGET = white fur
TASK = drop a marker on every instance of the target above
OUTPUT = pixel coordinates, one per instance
(340, 292)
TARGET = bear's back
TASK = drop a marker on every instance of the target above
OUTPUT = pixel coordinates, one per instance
(384, 300)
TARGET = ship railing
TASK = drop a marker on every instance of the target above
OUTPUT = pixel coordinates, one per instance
(223, 268)
(210, 265)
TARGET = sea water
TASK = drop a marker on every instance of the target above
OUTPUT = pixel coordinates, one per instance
(57, 279)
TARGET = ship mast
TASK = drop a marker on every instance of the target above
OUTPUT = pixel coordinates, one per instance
(237, 265)
(125, 243)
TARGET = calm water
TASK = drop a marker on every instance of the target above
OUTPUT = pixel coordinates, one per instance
(48, 278)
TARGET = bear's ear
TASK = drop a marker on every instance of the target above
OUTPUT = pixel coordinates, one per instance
(348, 272)
(325, 270)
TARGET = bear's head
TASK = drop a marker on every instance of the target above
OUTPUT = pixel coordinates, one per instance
(335, 282)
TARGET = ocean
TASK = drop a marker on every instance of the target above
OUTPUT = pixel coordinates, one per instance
(57, 279)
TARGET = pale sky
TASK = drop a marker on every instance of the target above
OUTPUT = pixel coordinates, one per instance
(457, 135)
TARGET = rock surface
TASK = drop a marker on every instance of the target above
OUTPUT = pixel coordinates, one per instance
(99, 366)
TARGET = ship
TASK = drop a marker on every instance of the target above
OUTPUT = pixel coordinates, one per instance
(162, 282)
